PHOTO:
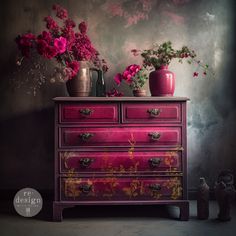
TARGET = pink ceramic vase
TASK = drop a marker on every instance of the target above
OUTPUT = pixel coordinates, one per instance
(162, 82)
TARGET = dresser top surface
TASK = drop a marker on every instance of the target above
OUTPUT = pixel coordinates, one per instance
(120, 99)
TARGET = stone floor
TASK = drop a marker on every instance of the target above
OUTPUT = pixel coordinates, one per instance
(115, 221)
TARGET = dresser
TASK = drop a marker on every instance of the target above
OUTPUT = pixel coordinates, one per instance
(120, 151)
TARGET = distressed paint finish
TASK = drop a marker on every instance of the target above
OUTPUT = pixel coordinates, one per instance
(129, 162)
(120, 189)
(120, 162)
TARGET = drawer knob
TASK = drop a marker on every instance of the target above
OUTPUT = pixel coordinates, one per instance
(154, 112)
(154, 136)
(86, 111)
(85, 188)
(85, 162)
(155, 187)
(154, 162)
(86, 136)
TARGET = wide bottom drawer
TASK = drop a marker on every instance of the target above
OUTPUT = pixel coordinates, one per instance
(112, 188)
(120, 162)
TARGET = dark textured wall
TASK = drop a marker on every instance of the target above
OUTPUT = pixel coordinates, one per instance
(115, 27)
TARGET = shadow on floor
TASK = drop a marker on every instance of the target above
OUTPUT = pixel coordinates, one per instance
(154, 211)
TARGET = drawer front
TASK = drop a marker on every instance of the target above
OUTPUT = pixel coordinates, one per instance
(153, 136)
(102, 189)
(119, 162)
(151, 112)
(85, 113)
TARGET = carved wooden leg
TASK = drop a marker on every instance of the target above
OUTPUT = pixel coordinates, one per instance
(184, 211)
(57, 212)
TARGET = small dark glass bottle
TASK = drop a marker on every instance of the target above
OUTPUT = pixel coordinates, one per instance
(203, 200)
(100, 85)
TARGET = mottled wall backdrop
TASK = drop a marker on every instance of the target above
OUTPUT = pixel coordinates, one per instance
(116, 27)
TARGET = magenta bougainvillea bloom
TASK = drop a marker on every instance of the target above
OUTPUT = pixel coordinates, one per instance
(60, 41)
(72, 69)
(70, 23)
(114, 93)
(25, 43)
(118, 78)
(51, 24)
(60, 44)
(134, 75)
(83, 27)
(45, 35)
(130, 72)
(50, 52)
(60, 11)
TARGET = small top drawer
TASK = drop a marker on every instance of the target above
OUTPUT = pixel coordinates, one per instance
(85, 113)
(152, 112)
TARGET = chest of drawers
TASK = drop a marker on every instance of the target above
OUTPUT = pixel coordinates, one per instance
(120, 151)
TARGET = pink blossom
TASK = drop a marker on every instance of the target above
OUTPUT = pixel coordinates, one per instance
(57, 40)
(126, 73)
(72, 68)
(25, 43)
(129, 79)
(114, 93)
(130, 72)
(83, 27)
(60, 44)
(60, 11)
(26, 40)
(51, 24)
(41, 46)
(195, 74)
(118, 78)
(70, 23)
(45, 35)
(45, 49)
(50, 52)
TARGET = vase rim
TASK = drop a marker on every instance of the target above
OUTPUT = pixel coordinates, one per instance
(162, 67)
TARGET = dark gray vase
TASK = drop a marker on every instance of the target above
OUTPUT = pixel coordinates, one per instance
(225, 194)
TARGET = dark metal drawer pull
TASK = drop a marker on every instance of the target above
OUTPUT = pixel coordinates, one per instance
(154, 136)
(85, 188)
(85, 162)
(86, 136)
(154, 162)
(154, 112)
(155, 187)
(86, 111)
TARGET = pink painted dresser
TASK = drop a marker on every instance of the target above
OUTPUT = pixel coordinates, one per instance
(120, 151)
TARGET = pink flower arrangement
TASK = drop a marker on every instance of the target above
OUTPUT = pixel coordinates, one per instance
(62, 43)
(134, 75)
(163, 54)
